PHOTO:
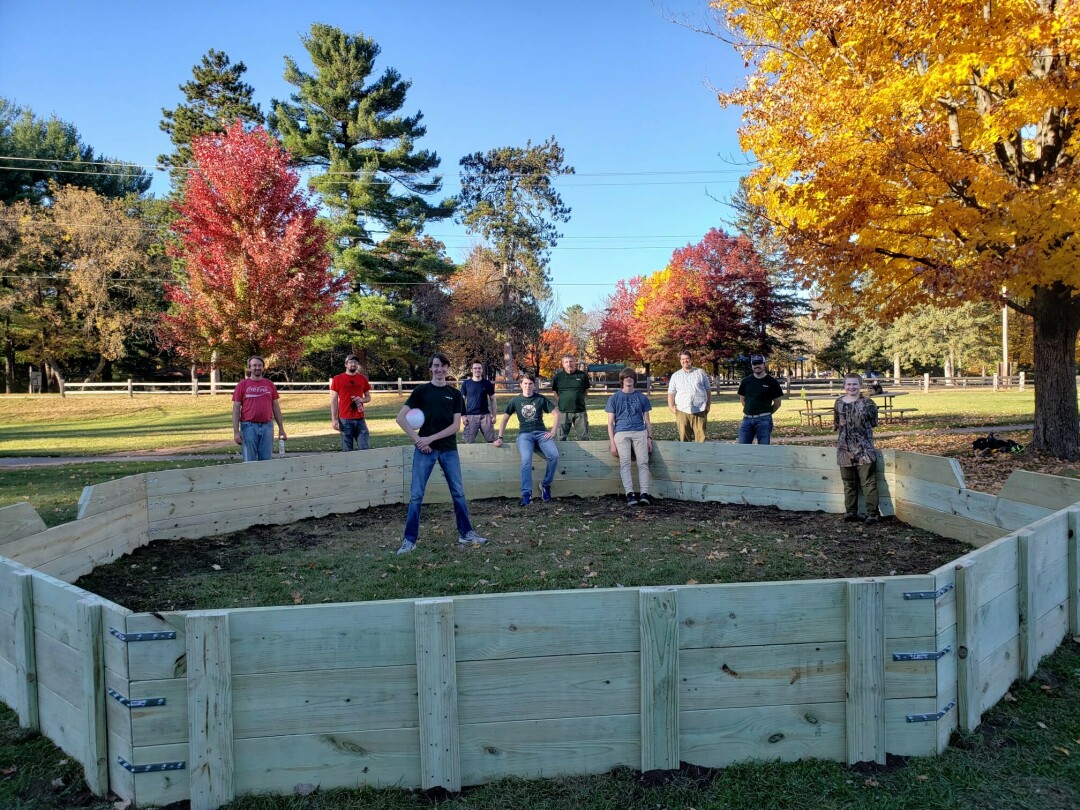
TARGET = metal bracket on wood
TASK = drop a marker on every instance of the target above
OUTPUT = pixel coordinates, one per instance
(139, 703)
(163, 635)
(944, 589)
(151, 768)
(923, 656)
(930, 718)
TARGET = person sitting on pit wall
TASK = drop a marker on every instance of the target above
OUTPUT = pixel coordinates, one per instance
(530, 408)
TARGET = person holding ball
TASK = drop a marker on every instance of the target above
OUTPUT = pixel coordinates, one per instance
(435, 442)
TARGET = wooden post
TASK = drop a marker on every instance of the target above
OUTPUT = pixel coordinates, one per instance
(926, 383)
(659, 625)
(92, 655)
(400, 388)
(997, 381)
(436, 680)
(1022, 379)
(866, 671)
(25, 653)
(1029, 657)
(209, 697)
(1074, 570)
(967, 658)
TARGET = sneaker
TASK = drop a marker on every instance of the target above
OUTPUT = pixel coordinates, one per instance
(644, 499)
(545, 492)
(471, 538)
(871, 520)
(526, 499)
(631, 499)
(851, 517)
(406, 546)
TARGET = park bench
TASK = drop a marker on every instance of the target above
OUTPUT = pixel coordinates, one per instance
(896, 414)
(810, 415)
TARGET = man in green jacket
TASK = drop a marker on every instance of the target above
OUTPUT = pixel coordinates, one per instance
(570, 386)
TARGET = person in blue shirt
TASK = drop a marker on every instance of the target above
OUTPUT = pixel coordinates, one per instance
(630, 435)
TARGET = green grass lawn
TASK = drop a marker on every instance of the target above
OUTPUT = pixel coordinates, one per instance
(100, 425)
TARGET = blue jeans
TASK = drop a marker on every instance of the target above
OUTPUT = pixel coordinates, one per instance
(422, 465)
(258, 440)
(354, 431)
(526, 444)
(759, 426)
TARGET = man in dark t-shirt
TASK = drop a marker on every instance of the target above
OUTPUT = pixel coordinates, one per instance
(530, 408)
(480, 405)
(571, 386)
(435, 441)
(760, 395)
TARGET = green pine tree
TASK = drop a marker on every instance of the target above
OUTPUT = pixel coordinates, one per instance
(214, 99)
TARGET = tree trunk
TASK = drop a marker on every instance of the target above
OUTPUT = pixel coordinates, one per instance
(896, 368)
(95, 375)
(1056, 320)
(9, 369)
(949, 370)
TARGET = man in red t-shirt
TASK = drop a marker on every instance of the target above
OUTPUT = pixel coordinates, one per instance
(255, 409)
(348, 394)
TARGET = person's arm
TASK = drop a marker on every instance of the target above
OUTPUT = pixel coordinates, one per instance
(502, 429)
(334, 411)
(405, 426)
(648, 429)
(776, 403)
(454, 427)
(611, 434)
(277, 418)
(493, 407)
(556, 418)
(708, 393)
(671, 399)
(742, 400)
(367, 396)
(236, 423)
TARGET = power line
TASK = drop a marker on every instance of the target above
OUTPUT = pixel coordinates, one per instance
(396, 176)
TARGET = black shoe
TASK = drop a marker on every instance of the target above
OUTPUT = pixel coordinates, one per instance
(644, 500)
(871, 520)
(631, 499)
(852, 517)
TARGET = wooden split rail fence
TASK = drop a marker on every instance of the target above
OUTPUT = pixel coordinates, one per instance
(207, 705)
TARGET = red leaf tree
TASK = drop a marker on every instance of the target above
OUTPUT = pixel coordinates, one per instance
(546, 356)
(615, 338)
(258, 277)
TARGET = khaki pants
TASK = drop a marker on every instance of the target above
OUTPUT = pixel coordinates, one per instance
(484, 424)
(637, 442)
(691, 426)
(572, 419)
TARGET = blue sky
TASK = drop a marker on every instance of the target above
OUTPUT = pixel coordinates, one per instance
(623, 90)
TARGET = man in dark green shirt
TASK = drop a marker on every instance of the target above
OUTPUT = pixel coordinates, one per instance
(570, 386)
(530, 408)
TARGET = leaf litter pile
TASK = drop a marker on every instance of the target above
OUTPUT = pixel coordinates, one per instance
(567, 543)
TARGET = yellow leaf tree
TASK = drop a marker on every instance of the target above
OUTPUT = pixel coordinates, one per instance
(925, 150)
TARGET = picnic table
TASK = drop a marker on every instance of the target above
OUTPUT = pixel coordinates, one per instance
(888, 412)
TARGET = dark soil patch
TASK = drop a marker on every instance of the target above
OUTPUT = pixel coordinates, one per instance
(568, 543)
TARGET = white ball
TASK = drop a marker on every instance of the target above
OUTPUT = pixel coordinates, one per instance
(415, 418)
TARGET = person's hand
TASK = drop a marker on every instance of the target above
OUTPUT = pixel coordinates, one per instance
(673, 409)
(281, 435)
(236, 437)
(336, 424)
(498, 441)
(650, 444)
(423, 444)
(550, 434)
(614, 449)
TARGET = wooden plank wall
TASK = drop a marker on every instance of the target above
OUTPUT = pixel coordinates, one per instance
(206, 501)
(17, 521)
(112, 522)
(929, 493)
(543, 684)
